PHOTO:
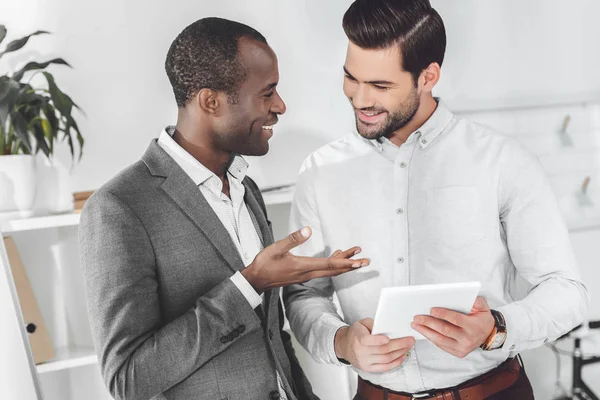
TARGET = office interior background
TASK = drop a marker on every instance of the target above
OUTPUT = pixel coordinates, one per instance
(529, 68)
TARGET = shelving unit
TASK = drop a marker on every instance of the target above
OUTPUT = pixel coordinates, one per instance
(36, 223)
(47, 246)
(67, 358)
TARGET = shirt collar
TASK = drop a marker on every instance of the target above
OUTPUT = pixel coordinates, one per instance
(192, 167)
(426, 134)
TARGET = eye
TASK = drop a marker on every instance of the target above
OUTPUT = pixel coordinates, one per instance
(270, 94)
(381, 87)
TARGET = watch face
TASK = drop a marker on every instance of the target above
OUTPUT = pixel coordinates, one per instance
(499, 340)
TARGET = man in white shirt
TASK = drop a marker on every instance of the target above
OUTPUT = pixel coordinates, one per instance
(431, 198)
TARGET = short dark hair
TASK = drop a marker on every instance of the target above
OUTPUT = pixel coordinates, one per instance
(412, 24)
(205, 55)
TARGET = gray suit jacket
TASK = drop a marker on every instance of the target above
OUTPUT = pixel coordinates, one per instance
(167, 321)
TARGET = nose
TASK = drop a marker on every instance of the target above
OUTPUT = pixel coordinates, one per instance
(359, 95)
(278, 106)
(362, 98)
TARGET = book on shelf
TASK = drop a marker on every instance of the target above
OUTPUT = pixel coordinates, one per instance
(79, 199)
(39, 339)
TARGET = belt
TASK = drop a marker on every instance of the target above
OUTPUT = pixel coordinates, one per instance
(486, 385)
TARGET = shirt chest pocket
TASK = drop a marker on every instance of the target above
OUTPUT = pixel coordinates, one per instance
(454, 216)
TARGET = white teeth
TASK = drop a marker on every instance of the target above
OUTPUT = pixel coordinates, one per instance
(269, 128)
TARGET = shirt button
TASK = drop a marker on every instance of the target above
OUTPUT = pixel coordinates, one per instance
(399, 211)
(513, 347)
(424, 141)
(400, 260)
(274, 395)
(402, 165)
(407, 355)
(545, 340)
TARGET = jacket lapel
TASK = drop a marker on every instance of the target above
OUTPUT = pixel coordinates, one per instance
(180, 187)
(271, 296)
(255, 208)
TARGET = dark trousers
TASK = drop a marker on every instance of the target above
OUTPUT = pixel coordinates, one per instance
(521, 390)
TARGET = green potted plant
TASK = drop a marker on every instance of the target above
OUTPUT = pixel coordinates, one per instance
(32, 119)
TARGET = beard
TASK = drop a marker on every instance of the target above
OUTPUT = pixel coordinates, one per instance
(393, 122)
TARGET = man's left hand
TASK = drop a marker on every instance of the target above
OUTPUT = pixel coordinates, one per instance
(454, 332)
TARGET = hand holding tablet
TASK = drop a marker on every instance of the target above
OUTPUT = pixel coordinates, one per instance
(398, 306)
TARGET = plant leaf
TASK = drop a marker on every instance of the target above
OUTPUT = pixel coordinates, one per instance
(2, 33)
(21, 131)
(40, 137)
(61, 102)
(19, 43)
(3, 138)
(9, 92)
(50, 114)
(30, 66)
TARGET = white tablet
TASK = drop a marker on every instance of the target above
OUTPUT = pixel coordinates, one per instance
(399, 305)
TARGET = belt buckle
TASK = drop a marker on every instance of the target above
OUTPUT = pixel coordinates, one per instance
(421, 395)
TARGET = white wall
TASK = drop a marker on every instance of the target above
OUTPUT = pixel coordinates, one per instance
(500, 52)
(117, 49)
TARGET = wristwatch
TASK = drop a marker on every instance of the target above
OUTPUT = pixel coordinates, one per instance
(498, 335)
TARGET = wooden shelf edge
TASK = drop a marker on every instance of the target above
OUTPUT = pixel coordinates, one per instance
(69, 358)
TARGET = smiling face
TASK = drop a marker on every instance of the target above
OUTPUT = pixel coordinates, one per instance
(245, 123)
(383, 95)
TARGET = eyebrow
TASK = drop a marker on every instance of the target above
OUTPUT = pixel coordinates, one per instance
(270, 87)
(388, 83)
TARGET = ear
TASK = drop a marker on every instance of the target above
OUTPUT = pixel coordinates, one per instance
(208, 101)
(430, 77)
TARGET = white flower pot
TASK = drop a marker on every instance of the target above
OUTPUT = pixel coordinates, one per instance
(54, 192)
(17, 184)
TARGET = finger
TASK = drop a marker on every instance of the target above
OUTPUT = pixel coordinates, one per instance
(336, 253)
(371, 340)
(400, 344)
(454, 317)
(439, 325)
(368, 323)
(324, 274)
(310, 264)
(292, 240)
(376, 368)
(351, 252)
(386, 358)
(434, 337)
(480, 305)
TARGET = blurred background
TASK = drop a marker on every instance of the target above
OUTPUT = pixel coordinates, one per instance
(529, 68)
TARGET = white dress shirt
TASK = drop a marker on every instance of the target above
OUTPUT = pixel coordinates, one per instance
(232, 212)
(456, 202)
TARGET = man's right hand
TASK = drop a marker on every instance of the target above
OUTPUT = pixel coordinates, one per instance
(275, 266)
(370, 353)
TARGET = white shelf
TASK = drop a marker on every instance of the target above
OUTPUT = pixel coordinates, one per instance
(69, 358)
(283, 196)
(579, 225)
(35, 223)
(474, 105)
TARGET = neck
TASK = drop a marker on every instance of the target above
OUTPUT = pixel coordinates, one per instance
(197, 141)
(424, 112)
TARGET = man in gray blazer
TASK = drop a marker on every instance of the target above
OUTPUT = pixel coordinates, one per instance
(182, 275)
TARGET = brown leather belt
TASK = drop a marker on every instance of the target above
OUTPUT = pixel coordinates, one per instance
(484, 386)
